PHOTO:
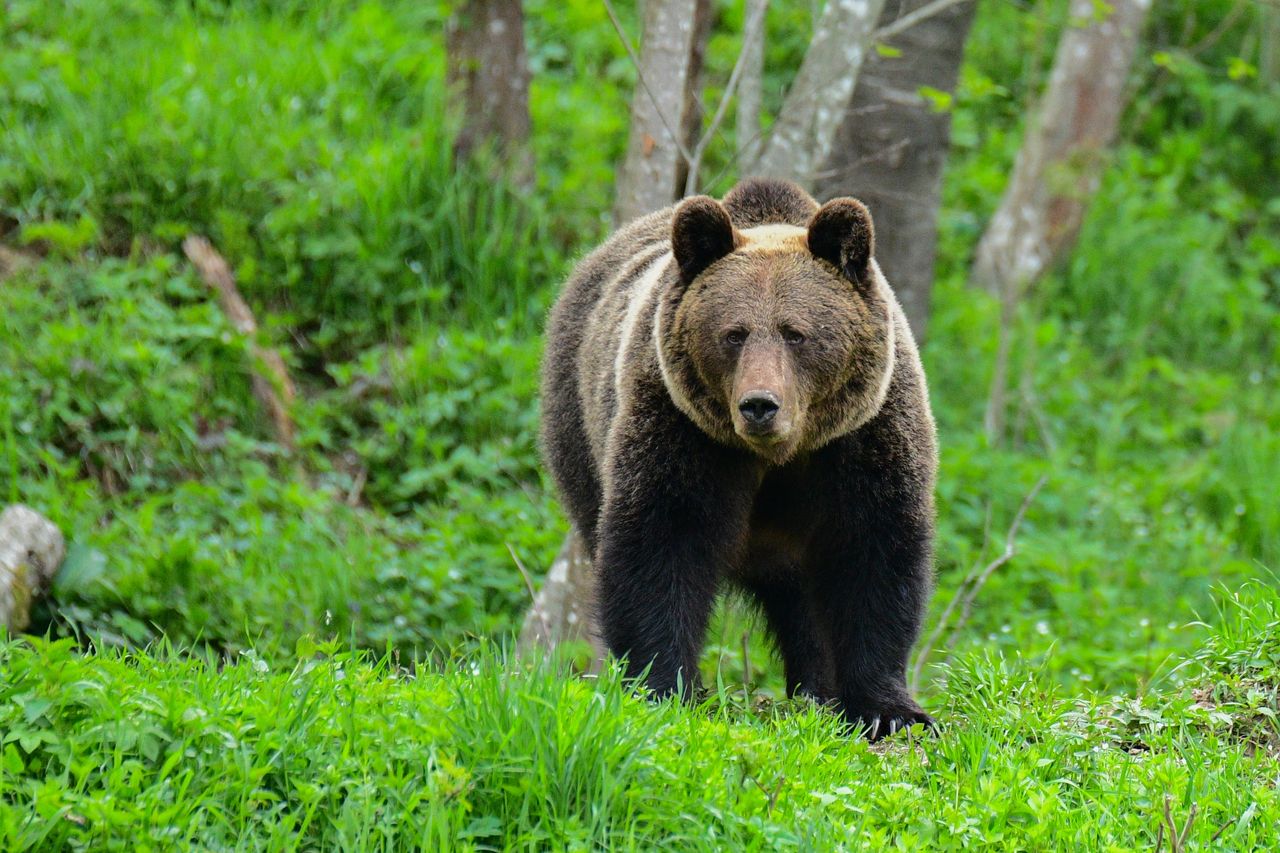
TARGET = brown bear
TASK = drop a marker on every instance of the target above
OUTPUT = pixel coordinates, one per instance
(731, 394)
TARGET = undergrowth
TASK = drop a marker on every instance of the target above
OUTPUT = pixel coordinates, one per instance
(1095, 676)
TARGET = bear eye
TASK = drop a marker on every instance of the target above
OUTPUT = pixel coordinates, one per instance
(792, 337)
(735, 337)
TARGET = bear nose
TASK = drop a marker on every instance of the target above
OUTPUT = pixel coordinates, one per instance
(758, 407)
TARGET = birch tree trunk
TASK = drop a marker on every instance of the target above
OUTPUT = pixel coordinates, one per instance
(691, 116)
(488, 70)
(751, 87)
(655, 150)
(802, 137)
(892, 146)
(1059, 166)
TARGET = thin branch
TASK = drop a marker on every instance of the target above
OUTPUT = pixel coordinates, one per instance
(533, 596)
(968, 591)
(750, 31)
(1010, 548)
(929, 644)
(357, 486)
(1186, 827)
(635, 61)
(1223, 829)
(909, 20)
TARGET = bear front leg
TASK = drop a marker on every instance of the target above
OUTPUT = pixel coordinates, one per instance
(871, 595)
(806, 661)
(674, 516)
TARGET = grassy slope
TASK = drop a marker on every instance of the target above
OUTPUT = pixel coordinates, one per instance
(334, 751)
(407, 295)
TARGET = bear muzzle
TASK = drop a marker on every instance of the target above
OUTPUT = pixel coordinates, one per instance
(759, 410)
(761, 419)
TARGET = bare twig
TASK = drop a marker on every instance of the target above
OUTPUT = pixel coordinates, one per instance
(750, 30)
(271, 383)
(1010, 548)
(357, 486)
(1186, 827)
(1223, 829)
(1178, 837)
(533, 596)
(1228, 21)
(909, 20)
(969, 588)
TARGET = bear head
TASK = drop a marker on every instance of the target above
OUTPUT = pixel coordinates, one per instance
(776, 338)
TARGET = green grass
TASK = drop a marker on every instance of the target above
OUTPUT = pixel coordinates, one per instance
(1128, 652)
(345, 751)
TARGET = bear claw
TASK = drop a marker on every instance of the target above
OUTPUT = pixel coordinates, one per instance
(877, 725)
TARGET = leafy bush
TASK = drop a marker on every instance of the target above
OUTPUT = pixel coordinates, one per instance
(322, 168)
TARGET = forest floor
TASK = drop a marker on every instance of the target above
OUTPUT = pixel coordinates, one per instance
(255, 648)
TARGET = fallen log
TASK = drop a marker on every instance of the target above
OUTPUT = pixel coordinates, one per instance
(31, 549)
(271, 383)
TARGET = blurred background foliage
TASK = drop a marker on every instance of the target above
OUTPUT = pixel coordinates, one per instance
(311, 142)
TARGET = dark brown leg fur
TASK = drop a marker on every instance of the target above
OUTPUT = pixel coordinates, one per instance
(872, 578)
(672, 524)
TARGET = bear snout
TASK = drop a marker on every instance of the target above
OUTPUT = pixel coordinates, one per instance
(759, 408)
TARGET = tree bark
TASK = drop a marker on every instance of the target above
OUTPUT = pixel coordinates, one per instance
(564, 610)
(691, 117)
(1060, 164)
(751, 87)
(1058, 168)
(892, 145)
(655, 150)
(803, 135)
(488, 70)
(31, 549)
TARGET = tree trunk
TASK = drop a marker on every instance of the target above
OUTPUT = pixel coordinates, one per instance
(564, 610)
(1059, 167)
(655, 149)
(488, 70)
(892, 146)
(751, 87)
(803, 135)
(31, 549)
(692, 116)
(1060, 164)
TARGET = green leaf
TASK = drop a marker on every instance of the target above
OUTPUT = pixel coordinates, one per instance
(13, 762)
(83, 568)
(939, 101)
(33, 709)
(1240, 69)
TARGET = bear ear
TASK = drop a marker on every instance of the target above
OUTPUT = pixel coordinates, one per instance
(841, 234)
(701, 234)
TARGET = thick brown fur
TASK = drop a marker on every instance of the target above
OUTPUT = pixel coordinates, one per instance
(731, 394)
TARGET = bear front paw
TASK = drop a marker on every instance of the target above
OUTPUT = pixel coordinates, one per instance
(878, 721)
